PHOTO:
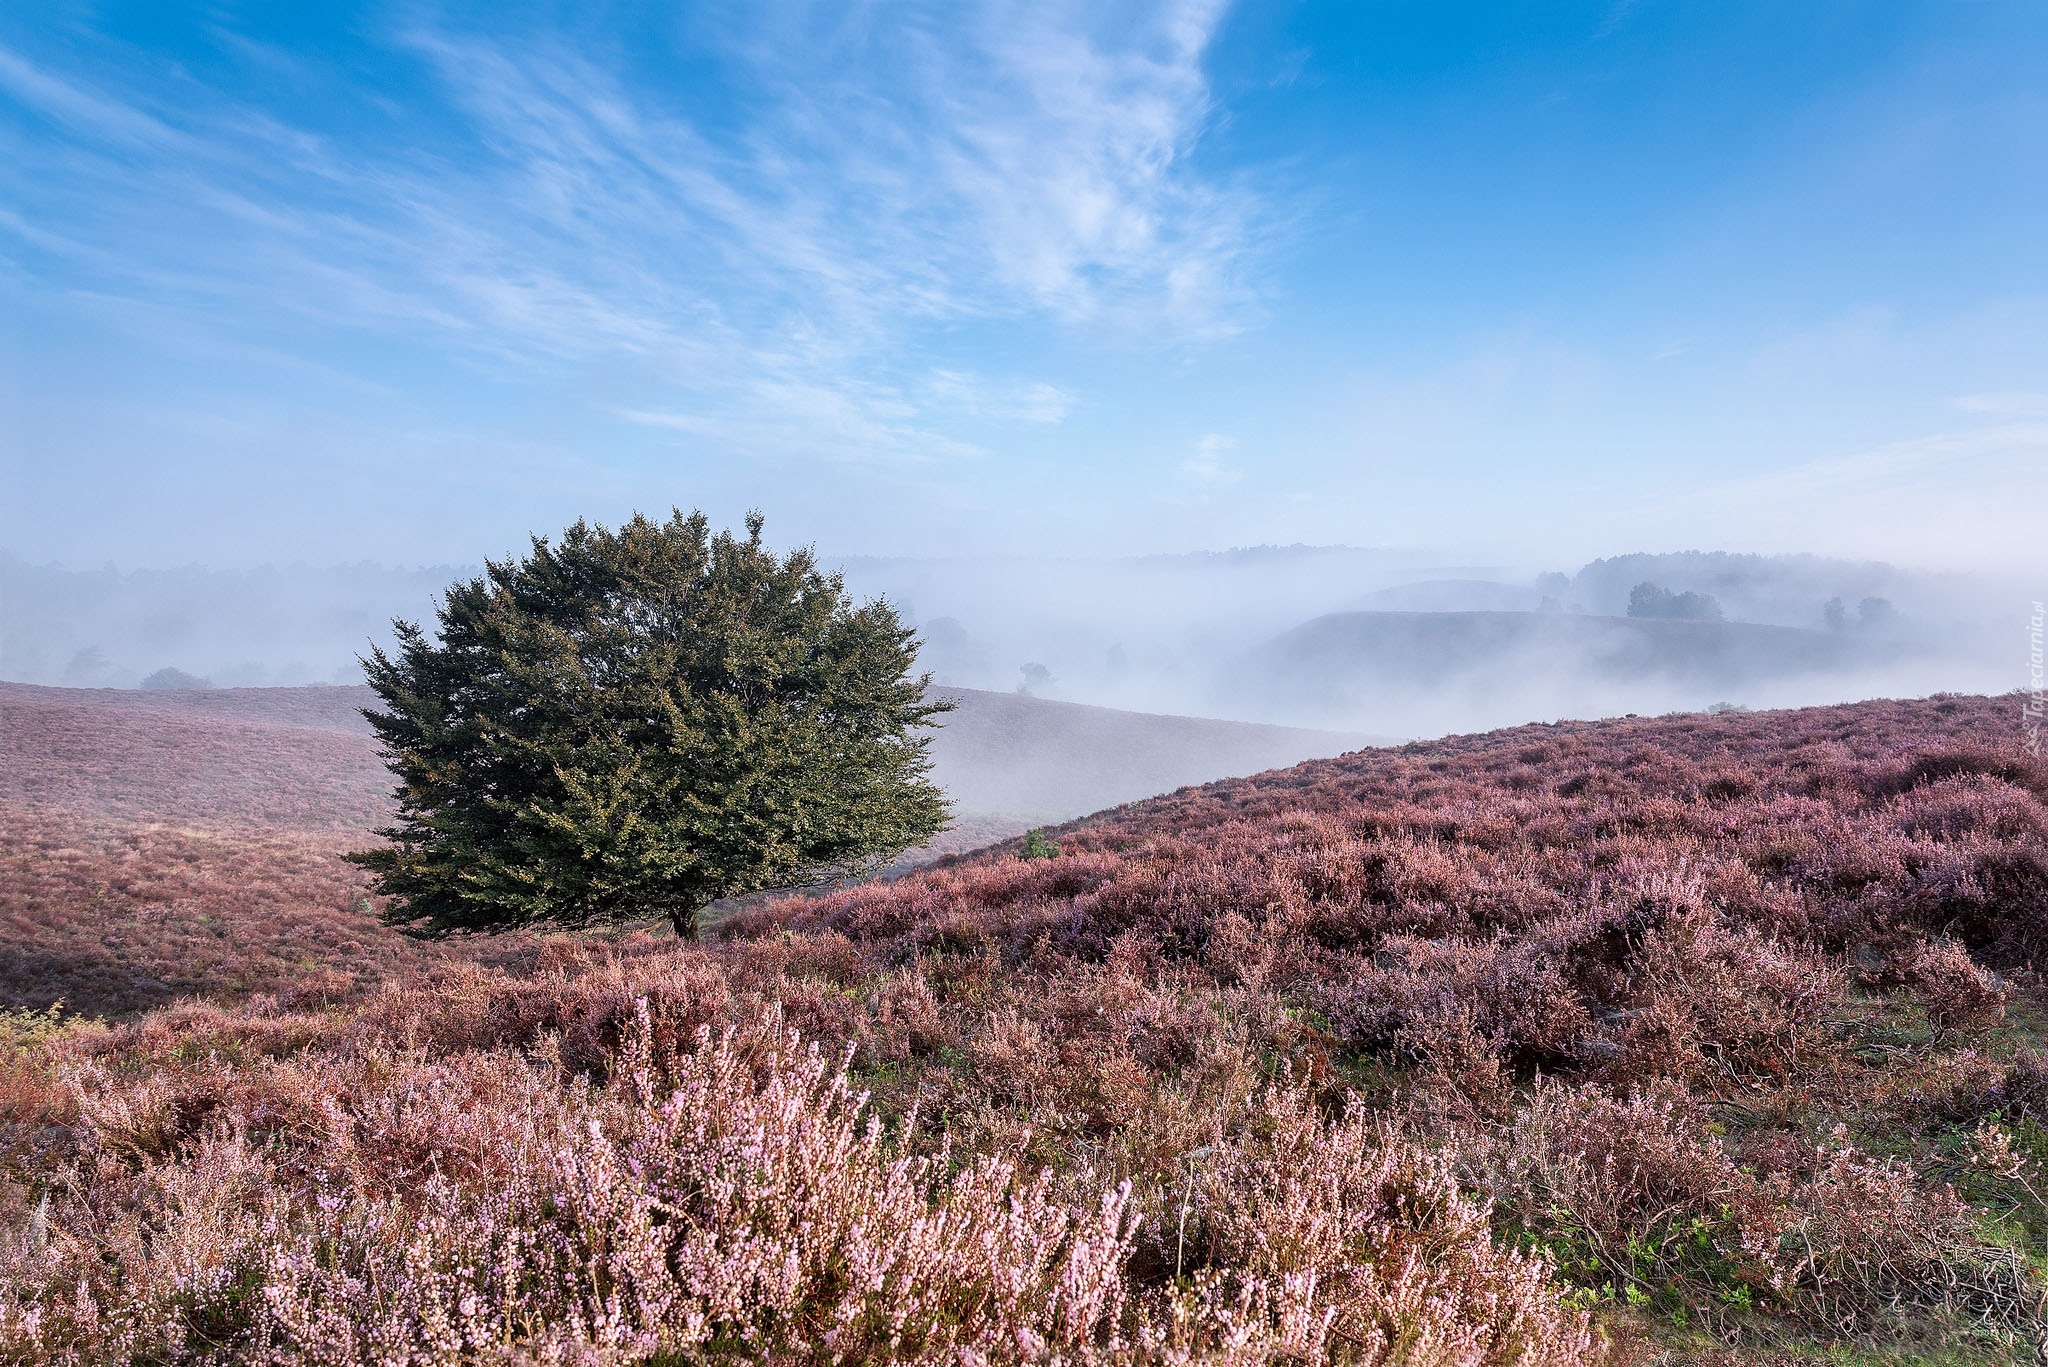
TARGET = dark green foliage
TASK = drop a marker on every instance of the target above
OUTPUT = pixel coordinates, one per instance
(1037, 846)
(635, 723)
(1648, 600)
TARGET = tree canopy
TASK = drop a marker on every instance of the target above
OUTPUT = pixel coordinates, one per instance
(635, 723)
(1648, 600)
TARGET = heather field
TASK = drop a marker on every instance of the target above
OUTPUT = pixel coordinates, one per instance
(158, 846)
(1696, 1038)
(163, 845)
(155, 845)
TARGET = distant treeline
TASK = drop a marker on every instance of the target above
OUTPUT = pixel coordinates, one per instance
(1780, 590)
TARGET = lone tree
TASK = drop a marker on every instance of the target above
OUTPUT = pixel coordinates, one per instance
(635, 723)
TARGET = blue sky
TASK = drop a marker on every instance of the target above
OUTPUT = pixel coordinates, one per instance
(1529, 282)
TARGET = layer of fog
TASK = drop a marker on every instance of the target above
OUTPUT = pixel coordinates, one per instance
(1436, 647)
(109, 628)
(1359, 641)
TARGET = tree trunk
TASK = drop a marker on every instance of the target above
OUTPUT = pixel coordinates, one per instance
(683, 916)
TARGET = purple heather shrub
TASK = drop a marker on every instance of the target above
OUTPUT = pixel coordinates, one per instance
(1397, 1057)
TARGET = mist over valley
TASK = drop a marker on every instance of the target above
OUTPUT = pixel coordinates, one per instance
(1385, 644)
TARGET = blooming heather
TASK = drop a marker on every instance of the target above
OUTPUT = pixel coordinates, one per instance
(1537, 1047)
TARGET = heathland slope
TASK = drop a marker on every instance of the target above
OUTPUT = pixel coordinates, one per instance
(1718, 1029)
(155, 844)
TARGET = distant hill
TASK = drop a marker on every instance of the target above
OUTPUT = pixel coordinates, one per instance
(1151, 634)
(291, 625)
(1452, 595)
(1431, 647)
(1009, 753)
(1427, 671)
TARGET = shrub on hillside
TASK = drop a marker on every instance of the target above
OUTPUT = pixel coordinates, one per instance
(169, 678)
(636, 723)
(1648, 600)
(1398, 1252)
(1037, 846)
(1956, 991)
(1709, 1000)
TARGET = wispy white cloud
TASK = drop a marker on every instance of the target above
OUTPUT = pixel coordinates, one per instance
(1206, 466)
(1617, 14)
(1074, 160)
(966, 393)
(78, 106)
(761, 284)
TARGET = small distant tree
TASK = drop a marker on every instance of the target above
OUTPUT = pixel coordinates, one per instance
(633, 724)
(1696, 607)
(88, 667)
(1035, 676)
(1648, 600)
(1876, 614)
(174, 680)
(1835, 613)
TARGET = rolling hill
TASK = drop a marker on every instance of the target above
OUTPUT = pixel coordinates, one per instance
(158, 844)
(1007, 753)
(1431, 671)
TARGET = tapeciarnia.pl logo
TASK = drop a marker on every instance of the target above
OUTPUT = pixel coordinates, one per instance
(2037, 685)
